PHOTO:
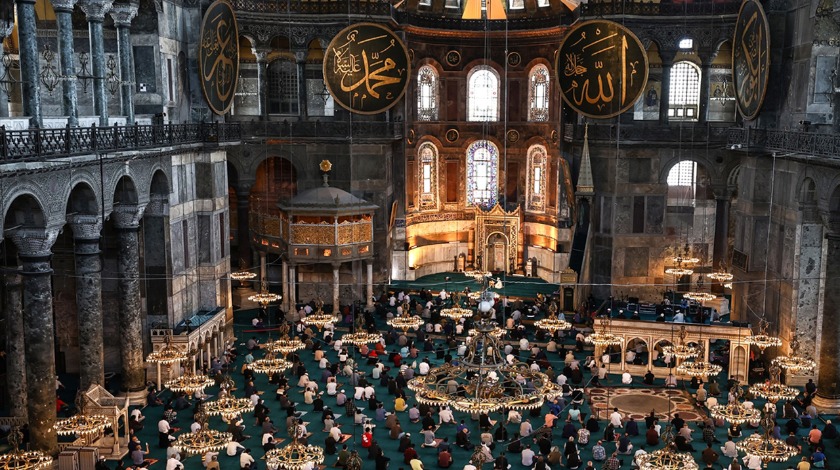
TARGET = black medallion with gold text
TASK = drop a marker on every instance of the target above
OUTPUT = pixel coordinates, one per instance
(602, 68)
(751, 58)
(218, 56)
(366, 68)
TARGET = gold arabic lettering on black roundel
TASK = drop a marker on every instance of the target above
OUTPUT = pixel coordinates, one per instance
(602, 68)
(218, 56)
(366, 68)
(751, 58)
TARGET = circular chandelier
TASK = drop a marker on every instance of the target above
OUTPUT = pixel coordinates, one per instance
(681, 350)
(456, 313)
(552, 324)
(168, 354)
(699, 296)
(204, 440)
(773, 390)
(667, 458)
(765, 446)
(269, 364)
(735, 412)
(189, 383)
(319, 319)
(295, 456)
(720, 276)
(242, 275)
(264, 298)
(82, 423)
(683, 263)
(496, 332)
(228, 407)
(794, 362)
(484, 381)
(285, 345)
(406, 321)
(699, 368)
(477, 275)
(763, 340)
(603, 338)
(18, 459)
(679, 271)
(359, 338)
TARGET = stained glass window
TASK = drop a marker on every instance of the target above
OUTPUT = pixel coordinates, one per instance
(538, 94)
(537, 160)
(483, 94)
(482, 174)
(282, 87)
(427, 161)
(684, 93)
(427, 94)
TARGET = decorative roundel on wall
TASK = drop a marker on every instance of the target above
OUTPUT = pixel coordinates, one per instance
(366, 68)
(514, 59)
(751, 58)
(453, 58)
(513, 136)
(452, 135)
(411, 137)
(218, 56)
(602, 68)
(554, 137)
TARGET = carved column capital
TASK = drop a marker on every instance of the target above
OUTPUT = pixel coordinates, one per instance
(34, 242)
(65, 6)
(85, 227)
(95, 10)
(127, 216)
(261, 53)
(158, 206)
(123, 13)
(6, 27)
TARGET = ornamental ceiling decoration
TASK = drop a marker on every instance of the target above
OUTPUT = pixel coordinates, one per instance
(602, 68)
(366, 68)
(218, 56)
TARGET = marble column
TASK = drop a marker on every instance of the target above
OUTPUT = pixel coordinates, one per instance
(300, 58)
(95, 12)
(808, 264)
(292, 287)
(369, 300)
(828, 382)
(34, 252)
(30, 68)
(6, 27)
(67, 64)
(243, 205)
(336, 287)
(15, 346)
(261, 54)
(126, 219)
(122, 14)
(86, 232)
(664, 93)
(285, 280)
(705, 70)
(721, 236)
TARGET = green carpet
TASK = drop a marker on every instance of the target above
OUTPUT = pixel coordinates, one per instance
(428, 455)
(513, 286)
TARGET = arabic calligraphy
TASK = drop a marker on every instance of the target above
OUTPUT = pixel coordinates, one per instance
(366, 68)
(219, 56)
(751, 58)
(602, 68)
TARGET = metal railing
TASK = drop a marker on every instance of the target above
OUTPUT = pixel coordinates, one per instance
(651, 131)
(324, 130)
(361, 7)
(34, 144)
(806, 143)
(662, 8)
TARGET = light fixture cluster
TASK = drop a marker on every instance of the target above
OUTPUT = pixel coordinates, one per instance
(202, 441)
(551, 323)
(763, 340)
(603, 337)
(82, 424)
(359, 338)
(681, 350)
(774, 390)
(269, 364)
(735, 412)
(667, 458)
(456, 313)
(765, 446)
(406, 321)
(319, 319)
(228, 407)
(23, 460)
(699, 296)
(285, 345)
(168, 354)
(242, 275)
(794, 362)
(189, 383)
(295, 456)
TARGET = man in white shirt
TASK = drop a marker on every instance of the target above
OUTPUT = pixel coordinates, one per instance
(232, 448)
(446, 416)
(423, 368)
(525, 429)
(246, 460)
(335, 432)
(195, 426)
(615, 418)
(528, 456)
(752, 462)
(636, 456)
(462, 349)
(173, 463)
(359, 393)
(523, 344)
(331, 388)
(163, 426)
(514, 417)
(626, 378)
(369, 392)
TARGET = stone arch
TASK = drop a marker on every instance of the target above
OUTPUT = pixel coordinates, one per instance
(125, 191)
(25, 211)
(275, 175)
(83, 200)
(634, 340)
(706, 165)
(160, 184)
(807, 191)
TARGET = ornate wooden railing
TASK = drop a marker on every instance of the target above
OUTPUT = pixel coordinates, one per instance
(34, 144)
(320, 130)
(805, 143)
(361, 7)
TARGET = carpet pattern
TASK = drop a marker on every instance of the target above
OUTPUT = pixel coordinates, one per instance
(639, 402)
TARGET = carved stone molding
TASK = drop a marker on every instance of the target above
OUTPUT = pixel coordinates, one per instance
(158, 206)
(95, 10)
(123, 14)
(127, 216)
(34, 242)
(85, 227)
(64, 5)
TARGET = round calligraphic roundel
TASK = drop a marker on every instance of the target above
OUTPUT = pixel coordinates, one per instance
(602, 68)
(218, 56)
(751, 58)
(366, 68)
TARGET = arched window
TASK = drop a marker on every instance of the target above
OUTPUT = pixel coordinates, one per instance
(537, 160)
(538, 83)
(808, 194)
(682, 183)
(427, 98)
(684, 94)
(483, 95)
(282, 87)
(482, 174)
(427, 156)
